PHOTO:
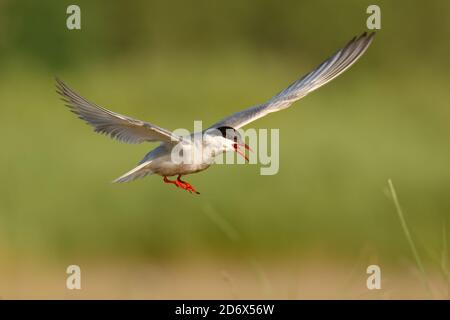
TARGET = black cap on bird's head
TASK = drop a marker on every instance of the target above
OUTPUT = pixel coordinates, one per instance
(232, 134)
(229, 133)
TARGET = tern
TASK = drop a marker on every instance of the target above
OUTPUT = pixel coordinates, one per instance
(219, 138)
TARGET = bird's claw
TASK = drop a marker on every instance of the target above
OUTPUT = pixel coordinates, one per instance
(186, 186)
(182, 184)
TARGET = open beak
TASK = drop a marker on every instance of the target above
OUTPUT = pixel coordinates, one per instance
(239, 151)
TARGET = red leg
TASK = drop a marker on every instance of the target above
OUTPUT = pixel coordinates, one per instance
(175, 182)
(181, 184)
(188, 186)
(170, 181)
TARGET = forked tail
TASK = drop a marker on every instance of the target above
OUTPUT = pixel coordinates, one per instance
(140, 171)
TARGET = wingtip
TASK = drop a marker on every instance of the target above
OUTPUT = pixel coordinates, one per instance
(362, 36)
(369, 35)
(57, 80)
(59, 85)
(119, 180)
(365, 35)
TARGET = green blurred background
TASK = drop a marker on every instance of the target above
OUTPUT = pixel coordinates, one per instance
(172, 62)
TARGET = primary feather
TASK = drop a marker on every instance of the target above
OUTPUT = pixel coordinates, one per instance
(324, 73)
(115, 125)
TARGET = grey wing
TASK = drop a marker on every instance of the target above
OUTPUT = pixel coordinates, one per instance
(324, 73)
(115, 125)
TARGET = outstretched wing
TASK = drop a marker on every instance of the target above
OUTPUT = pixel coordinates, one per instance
(115, 125)
(324, 73)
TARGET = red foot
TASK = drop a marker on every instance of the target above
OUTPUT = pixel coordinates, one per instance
(181, 184)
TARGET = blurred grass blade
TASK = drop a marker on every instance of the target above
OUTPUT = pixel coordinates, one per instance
(408, 236)
(444, 258)
(226, 227)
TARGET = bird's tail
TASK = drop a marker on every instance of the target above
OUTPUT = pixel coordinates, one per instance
(140, 171)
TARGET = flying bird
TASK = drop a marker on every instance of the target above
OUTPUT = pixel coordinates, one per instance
(219, 138)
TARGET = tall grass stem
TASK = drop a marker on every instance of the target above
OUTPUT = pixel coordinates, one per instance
(408, 236)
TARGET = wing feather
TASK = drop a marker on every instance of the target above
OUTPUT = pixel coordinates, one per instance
(113, 124)
(324, 73)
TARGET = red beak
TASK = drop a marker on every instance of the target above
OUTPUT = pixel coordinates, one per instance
(238, 151)
(246, 146)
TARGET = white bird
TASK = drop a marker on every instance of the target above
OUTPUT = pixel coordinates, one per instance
(220, 137)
